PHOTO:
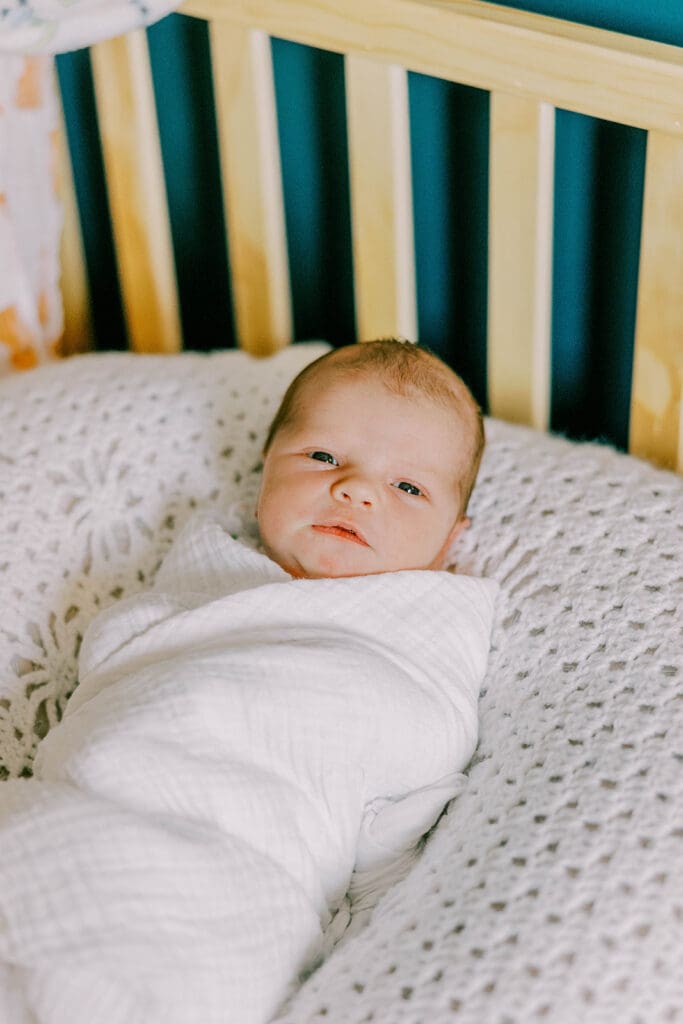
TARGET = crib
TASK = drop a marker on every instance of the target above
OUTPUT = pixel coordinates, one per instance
(551, 887)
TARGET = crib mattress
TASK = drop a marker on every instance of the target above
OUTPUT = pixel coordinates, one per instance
(552, 887)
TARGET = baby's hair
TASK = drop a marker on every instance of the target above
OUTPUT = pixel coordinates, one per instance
(403, 368)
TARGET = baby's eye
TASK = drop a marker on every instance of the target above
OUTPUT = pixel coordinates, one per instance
(323, 457)
(408, 488)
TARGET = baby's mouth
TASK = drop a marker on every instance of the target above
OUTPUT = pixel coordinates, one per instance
(343, 531)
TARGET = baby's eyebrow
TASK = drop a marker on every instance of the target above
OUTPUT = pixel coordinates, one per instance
(422, 471)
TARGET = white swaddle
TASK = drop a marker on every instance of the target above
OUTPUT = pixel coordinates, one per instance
(238, 741)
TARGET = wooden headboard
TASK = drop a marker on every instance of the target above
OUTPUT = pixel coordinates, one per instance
(531, 65)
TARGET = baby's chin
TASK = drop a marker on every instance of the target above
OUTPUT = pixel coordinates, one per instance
(311, 571)
(315, 569)
(306, 567)
(330, 564)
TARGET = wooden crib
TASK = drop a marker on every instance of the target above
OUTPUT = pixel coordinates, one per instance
(550, 889)
(530, 64)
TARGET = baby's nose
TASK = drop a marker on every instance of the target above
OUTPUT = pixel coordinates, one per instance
(354, 490)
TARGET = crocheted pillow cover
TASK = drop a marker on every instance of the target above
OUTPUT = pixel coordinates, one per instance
(552, 889)
(102, 459)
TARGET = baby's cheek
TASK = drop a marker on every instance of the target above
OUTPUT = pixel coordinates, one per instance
(267, 522)
(420, 548)
(271, 531)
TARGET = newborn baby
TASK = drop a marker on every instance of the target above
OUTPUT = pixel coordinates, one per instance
(260, 723)
(369, 463)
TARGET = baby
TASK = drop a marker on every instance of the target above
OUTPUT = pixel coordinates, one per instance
(258, 728)
(369, 463)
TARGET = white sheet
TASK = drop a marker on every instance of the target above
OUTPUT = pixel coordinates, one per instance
(237, 742)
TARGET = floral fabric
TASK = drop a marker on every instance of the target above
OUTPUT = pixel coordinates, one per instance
(56, 26)
(31, 312)
(30, 213)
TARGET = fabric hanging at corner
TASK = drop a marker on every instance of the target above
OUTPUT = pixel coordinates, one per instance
(31, 310)
(30, 213)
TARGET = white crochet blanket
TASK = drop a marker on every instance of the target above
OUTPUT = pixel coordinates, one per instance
(552, 888)
(195, 816)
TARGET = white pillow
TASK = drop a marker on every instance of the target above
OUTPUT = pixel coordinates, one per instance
(551, 890)
(102, 459)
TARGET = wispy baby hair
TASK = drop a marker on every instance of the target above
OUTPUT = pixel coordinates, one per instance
(404, 368)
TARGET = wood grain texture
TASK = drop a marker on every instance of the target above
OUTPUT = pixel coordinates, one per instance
(520, 259)
(381, 200)
(529, 63)
(656, 429)
(77, 335)
(604, 74)
(252, 187)
(137, 192)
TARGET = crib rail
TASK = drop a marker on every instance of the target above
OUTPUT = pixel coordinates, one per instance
(530, 65)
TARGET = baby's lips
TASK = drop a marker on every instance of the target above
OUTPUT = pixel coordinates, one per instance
(346, 531)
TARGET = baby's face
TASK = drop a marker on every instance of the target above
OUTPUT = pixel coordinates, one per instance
(361, 481)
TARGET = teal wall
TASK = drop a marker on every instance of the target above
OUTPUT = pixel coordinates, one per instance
(598, 192)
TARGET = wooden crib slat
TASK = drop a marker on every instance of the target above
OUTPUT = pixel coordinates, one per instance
(381, 199)
(137, 192)
(252, 187)
(520, 258)
(656, 429)
(77, 335)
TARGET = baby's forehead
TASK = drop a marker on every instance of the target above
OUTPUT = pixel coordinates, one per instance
(341, 371)
(328, 401)
(436, 402)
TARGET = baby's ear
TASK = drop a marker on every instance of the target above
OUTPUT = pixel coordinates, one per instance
(462, 524)
(445, 555)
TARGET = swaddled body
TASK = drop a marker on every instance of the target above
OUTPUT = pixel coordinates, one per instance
(246, 733)
(200, 806)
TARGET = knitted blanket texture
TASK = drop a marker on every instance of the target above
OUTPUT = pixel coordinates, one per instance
(552, 888)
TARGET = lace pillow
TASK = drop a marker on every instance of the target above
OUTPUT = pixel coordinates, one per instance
(552, 890)
(102, 458)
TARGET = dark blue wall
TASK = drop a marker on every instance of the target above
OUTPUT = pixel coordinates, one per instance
(598, 193)
(661, 21)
